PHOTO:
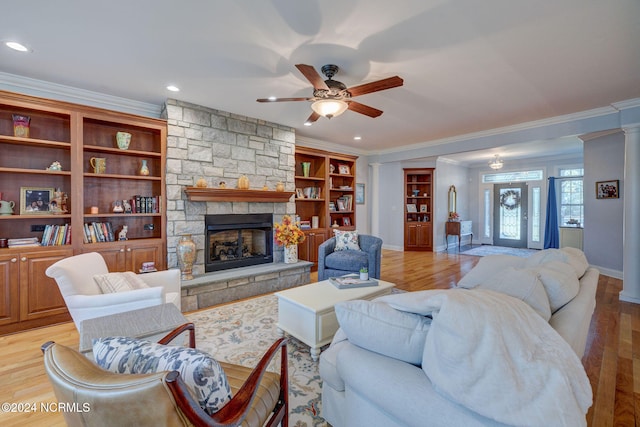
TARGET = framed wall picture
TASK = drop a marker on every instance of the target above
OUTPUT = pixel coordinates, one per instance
(608, 189)
(344, 169)
(35, 200)
(360, 194)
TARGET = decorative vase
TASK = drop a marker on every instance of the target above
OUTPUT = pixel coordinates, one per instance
(123, 140)
(186, 252)
(280, 187)
(243, 182)
(201, 183)
(144, 169)
(291, 254)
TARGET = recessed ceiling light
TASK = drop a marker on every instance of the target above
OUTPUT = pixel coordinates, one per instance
(357, 138)
(173, 88)
(272, 98)
(308, 123)
(17, 46)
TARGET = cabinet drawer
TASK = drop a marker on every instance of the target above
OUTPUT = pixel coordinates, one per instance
(465, 227)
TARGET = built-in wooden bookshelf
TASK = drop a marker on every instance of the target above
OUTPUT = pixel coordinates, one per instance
(72, 135)
(325, 190)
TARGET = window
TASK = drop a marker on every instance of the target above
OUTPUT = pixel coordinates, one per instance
(571, 197)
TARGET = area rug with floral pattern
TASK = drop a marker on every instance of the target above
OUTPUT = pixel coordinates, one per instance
(241, 332)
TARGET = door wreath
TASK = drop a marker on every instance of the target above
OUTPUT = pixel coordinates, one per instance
(510, 200)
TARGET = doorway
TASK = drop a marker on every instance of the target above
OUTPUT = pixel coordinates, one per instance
(510, 215)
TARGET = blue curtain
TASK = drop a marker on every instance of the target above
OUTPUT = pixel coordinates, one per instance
(551, 231)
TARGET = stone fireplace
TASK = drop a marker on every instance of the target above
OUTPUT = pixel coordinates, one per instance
(237, 240)
(221, 147)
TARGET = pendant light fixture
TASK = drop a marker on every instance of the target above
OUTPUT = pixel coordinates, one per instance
(496, 163)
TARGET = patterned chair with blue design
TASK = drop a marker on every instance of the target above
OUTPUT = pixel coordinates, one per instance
(347, 252)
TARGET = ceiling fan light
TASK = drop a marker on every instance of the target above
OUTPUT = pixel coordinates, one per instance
(496, 163)
(329, 107)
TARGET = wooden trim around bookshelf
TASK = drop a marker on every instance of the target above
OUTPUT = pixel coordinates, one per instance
(199, 194)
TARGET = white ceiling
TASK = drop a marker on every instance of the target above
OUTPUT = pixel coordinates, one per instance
(467, 65)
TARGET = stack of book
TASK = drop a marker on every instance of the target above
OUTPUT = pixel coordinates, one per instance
(345, 202)
(145, 204)
(56, 235)
(24, 242)
(97, 232)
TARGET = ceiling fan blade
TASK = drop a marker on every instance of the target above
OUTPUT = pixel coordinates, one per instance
(282, 99)
(312, 75)
(364, 109)
(376, 86)
(313, 117)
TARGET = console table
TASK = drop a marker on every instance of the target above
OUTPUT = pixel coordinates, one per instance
(457, 228)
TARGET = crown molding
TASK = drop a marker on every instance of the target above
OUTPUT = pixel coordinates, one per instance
(596, 112)
(41, 88)
(304, 141)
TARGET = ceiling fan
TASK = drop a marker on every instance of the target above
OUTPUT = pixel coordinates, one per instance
(332, 98)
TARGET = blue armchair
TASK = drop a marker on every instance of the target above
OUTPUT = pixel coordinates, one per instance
(332, 263)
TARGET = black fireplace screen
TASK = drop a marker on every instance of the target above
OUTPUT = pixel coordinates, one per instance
(238, 240)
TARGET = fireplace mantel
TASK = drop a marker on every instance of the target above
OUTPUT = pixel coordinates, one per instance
(200, 194)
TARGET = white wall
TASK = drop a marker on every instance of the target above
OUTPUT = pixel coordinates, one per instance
(447, 174)
(603, 233)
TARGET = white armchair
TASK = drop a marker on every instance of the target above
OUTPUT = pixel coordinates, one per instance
(85, 300)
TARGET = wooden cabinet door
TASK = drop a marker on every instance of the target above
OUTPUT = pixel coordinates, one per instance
(9, 288)
(147, 251)
(418, 236)
(425, 235)
(308, 250)
(39, 294)
(114, 256)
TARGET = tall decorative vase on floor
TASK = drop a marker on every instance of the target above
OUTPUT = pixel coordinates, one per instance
(186, 251)
(291, 254)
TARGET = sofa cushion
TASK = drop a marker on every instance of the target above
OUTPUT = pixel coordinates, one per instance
(577, 259)
(523, 284)
(487, 267)
(119, 282)
(201, 373)
(346, 240)
(346, 260)
(378, 327)
(544, 256)
(560, 282)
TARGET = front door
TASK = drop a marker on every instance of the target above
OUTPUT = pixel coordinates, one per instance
(510, 215)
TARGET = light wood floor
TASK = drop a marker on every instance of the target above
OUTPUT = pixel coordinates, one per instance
(611, 360)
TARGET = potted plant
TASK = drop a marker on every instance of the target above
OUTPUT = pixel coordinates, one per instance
(364, 273)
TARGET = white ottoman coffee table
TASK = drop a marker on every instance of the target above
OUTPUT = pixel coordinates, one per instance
(307, 312)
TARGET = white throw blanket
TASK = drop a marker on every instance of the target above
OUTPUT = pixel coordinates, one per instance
(494, 355)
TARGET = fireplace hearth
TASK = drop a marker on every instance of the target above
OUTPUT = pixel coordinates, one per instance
(238, 240)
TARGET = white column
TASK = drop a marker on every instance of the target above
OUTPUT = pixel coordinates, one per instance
(374, 191)
(631, 228)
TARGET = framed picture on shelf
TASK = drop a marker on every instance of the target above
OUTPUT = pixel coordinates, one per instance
(360, 194)
(344, 169)
(423, 208)
(607, 189)
(35, 200)
(411, 207)
(299, 194)
(332, 206)
(346, 221)
(340, 204)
